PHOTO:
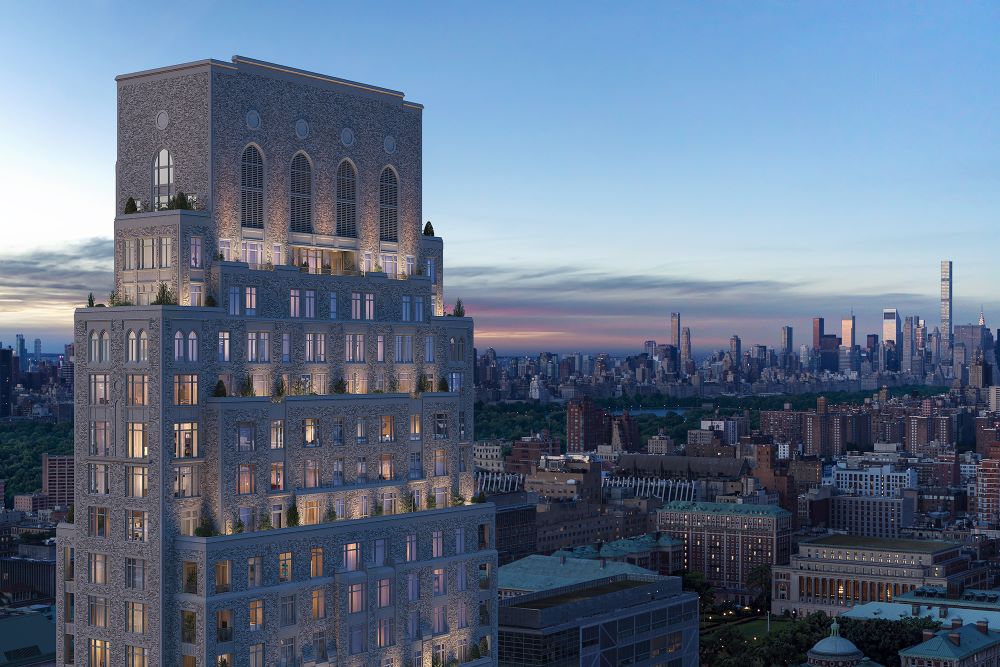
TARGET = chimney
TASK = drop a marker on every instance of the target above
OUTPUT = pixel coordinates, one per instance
(956, 623)
(983, 626)
(928, 634)
(955, 638)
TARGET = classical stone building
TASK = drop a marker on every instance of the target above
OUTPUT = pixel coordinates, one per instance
(273, 444)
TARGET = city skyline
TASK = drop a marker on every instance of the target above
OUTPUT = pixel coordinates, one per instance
(830, 183)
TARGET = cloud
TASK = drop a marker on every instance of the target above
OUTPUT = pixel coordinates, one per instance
(40, 288)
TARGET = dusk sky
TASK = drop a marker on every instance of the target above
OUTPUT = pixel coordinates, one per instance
(591, 166)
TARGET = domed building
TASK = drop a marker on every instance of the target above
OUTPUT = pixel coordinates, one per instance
(836, 651)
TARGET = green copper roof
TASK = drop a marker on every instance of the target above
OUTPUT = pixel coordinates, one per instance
(542, 573)
(726, 508)
(971, 641)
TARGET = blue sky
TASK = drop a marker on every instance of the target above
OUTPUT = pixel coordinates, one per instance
(591, 167)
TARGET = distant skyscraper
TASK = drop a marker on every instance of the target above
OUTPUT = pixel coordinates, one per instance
(890, 326)
(847, 332)
(786, 339)
(22, 353)
(946, 320)
(675, 330)
(906, 353)
(817, 331)
(6, 381)
(736, 349)
(685, 344)
(38, 350)
(649, 347)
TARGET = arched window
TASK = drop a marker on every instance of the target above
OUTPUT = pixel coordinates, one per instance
(301, 215)
(105, 346)
(252, 189)
(347, 198)
(163, 179)
(178, 346)
(192, 347)
(143, 347)
(95, 350)
(388, 206)
(132, 348)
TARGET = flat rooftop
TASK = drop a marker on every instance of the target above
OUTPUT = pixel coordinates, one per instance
(883, 543)
(580, 595)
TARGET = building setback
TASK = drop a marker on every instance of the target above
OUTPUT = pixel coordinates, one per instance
(273, 445)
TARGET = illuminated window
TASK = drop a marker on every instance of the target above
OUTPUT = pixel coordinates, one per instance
(163, 179)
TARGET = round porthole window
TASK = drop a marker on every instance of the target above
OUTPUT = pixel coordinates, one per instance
(347, 137)
(301, 128)
(389, 144)
(162, 120)
(253, 119)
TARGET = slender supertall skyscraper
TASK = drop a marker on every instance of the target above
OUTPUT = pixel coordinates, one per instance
(946, 321)
(685, 344)
(675, 330)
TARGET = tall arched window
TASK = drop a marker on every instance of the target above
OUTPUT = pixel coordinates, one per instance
(132, 347)
(95, 350)
(347, 200)
(163, 179)
(105, 346)
(143, 347)
(388, 206)
(192, 346)
(252, 189)
(178, 346)
(301, 194)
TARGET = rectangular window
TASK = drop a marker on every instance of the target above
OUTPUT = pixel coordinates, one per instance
(338, 477)
(100, 441)
(197, 295)
(310, 474)
(352, 556)
(128, 249)
(380, 548)
(441, 426)
(135, 617)
(186, 389)
(100, 390)
(253, 253)
(418, 309)
(100, 653)
(440, 620)
(245, 479)
(137, 389)
(97, 525)
(278, 434)
(97, 568)
(310, 303)
(437, 544)
(460, 540)
(355, 305)
(431, 269)
(278, 476)
(245, 437)
(333, 305)
(413, 586)
(318, 604)
(285, 566)
(223, 354)
(196, 262)
(97, 611)
(234, 301)
(255, 568)
(226, 249)
(416, 466)
(136, 481)
(338, 431)
(136, 525)
(223, 576)
(462, 578)
(256, 614)
(186, 482)
(287, 610)
(386, 429)
(99, 478)
(356, 598)
(455, 381)
(384, 592)
(135, 574)
(355, 348)
(295, 303)
(358, 639)
(135, 441)
(257, 655)
(286, 348)
(277, 256)
(146, 254)
(383, 632)
(380, 348)
(310, 432)
(369, 306)
(250, 301)
(406, 308)
(186, 440)
(429, 349)
(404, 349)
(316, 562)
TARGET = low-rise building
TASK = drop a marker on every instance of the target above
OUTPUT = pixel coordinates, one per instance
(835, 572)
(488, 456)
(957, 646)
(639, 620)
(542, 573)
(657, 552)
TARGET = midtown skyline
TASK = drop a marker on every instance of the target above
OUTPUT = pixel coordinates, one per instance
(858, 159)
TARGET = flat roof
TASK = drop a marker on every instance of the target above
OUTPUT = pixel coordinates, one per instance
(884, 543)
(582, 594)
(725, 508)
